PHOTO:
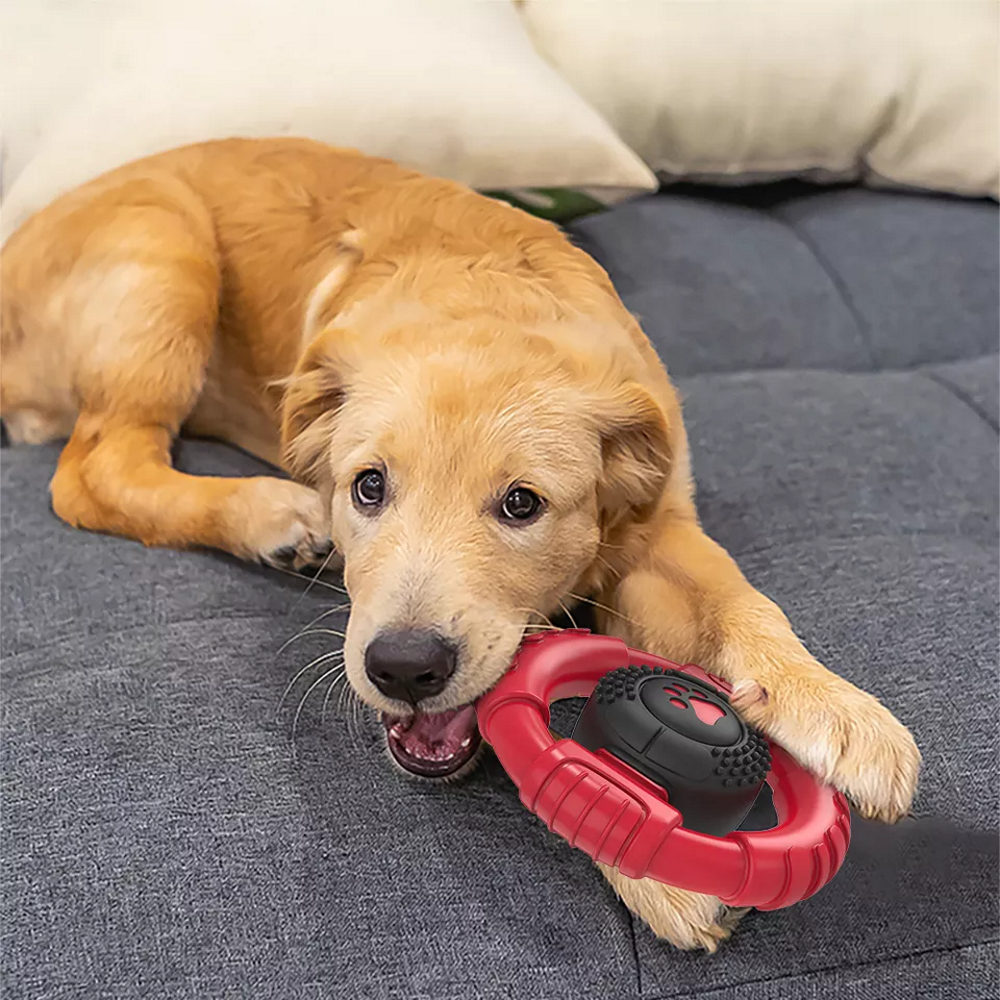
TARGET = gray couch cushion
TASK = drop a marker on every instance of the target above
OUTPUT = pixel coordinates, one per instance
(791, 276)
(163, 835)
(919, 273)
(720, 286)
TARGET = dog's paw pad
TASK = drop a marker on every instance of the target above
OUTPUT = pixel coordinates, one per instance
(309, 553)
(284, 556)
(282, 524)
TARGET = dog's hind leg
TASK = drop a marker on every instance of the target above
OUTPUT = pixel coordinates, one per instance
(124, 295)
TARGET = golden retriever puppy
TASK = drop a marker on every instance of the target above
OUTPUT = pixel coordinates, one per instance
(468, 412)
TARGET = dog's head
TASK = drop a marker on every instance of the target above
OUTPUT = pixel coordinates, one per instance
(470, 474)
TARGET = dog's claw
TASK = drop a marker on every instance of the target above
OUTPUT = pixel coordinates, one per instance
(305, 555)
(322, 549)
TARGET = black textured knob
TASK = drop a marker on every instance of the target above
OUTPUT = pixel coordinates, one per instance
(682, 734)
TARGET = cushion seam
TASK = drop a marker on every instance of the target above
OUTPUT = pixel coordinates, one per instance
(635, 949)
(805, 973)
(755, 550)
(916, 368)
(836, 280)
(962, 396)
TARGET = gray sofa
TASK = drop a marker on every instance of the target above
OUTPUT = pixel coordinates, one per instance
(164, 838)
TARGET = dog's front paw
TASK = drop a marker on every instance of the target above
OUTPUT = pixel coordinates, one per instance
(845, 736)
(281, 523)
(311, 552)
(687, 920)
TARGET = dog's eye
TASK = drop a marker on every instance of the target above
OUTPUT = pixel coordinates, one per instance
(520, 505)
(368, 489)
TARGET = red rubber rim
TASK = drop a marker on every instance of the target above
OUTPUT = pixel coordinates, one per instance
(602, 806)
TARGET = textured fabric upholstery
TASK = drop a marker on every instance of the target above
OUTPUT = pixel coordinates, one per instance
(164, 837)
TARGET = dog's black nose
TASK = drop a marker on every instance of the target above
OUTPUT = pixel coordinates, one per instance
(409, 664)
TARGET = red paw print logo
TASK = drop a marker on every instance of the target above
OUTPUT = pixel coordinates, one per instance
(681, 696)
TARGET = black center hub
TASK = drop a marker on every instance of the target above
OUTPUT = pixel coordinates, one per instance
(683, 735)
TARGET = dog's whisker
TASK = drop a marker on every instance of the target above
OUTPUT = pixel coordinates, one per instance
(567, 613)
(310, 579)
(603, 607)
(302, 703)
(316, 578)
(597, 555)
(360, 716)
(308, 625)
(348, 704)
(329, 611)
(531, 627)
(313, 663)
(344, 692)
(535, 611)
(354, 718)
(308, 631)
(329, 691)
(520, 631)
(311, 631)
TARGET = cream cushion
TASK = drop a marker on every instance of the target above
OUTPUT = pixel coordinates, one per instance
(451, 87)
(891, 91)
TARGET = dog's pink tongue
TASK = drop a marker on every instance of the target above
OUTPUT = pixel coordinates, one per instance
(434, 745)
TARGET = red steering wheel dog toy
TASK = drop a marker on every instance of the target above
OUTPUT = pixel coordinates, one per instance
(667, 773)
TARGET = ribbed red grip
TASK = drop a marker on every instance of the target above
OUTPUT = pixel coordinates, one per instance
(798, 869)
(587, 810)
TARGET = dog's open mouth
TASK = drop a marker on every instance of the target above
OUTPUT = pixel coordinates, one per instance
(433, 746)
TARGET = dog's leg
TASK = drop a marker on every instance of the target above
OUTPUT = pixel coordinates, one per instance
(687, 920)
(71, 497)
(688, 601)
(117, 478)
(134, 305)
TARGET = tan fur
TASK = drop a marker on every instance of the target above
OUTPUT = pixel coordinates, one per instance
(336, 312)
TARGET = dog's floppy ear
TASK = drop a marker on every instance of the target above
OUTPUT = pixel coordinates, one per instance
(635, 452)
(315, 391)
(313, 395)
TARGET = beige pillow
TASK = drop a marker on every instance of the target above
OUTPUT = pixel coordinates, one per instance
(451, 87)
(900, 91)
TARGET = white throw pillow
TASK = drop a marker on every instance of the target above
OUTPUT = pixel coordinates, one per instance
(899, 91)
(451, 87)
